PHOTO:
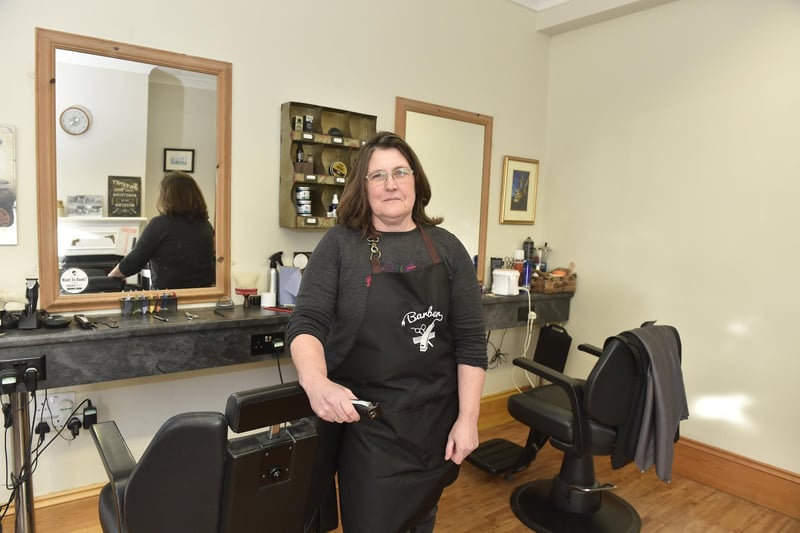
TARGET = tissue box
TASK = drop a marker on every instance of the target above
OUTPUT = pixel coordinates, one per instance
(142, 304)
(548, 283)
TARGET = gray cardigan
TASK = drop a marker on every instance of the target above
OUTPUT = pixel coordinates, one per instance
(333, 292)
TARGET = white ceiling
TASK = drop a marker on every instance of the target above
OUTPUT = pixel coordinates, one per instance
(559, 16)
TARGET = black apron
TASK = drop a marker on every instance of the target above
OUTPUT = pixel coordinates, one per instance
(392, 470)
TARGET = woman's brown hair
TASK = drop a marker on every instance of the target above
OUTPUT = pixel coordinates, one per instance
(181, 197)
(354, 211)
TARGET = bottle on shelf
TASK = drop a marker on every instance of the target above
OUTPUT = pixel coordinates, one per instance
(541, 257)
(523, 267)
(530, 250)
(334, 206)
(300, 156)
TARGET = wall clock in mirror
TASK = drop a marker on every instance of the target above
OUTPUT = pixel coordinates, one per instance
(75, 120)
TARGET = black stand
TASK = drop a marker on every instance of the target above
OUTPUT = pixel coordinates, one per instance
(30, 321)
(21, 435)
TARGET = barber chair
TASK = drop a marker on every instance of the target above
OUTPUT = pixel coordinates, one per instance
(193, 479)
(601, 415)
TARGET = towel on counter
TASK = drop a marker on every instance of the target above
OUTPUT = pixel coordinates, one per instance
(288, 285)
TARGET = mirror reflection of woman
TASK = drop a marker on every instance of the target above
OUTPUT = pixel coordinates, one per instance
(178, 244)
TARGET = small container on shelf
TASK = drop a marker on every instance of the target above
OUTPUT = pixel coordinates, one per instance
(306, 167)
(304, 208)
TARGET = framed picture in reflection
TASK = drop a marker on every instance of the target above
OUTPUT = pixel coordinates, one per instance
(181, 159)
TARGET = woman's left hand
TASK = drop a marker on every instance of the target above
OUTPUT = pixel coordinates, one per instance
(463, 439)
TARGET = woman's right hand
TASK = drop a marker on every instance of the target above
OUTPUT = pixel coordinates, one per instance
(331, 401)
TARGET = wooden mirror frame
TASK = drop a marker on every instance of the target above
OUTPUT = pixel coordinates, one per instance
(47, 41)
(405, 105)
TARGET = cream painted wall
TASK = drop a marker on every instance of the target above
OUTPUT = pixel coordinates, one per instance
(478, 55)
(671, 179)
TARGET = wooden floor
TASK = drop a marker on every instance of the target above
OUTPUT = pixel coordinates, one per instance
(478, 502)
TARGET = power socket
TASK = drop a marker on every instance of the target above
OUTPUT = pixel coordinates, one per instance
(16, 368)
(58, 409)
(266, 343)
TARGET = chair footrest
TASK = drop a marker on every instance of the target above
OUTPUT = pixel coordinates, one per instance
(495, 456)
(596, 488)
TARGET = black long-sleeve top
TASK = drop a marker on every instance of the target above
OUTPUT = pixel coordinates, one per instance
(180, 252)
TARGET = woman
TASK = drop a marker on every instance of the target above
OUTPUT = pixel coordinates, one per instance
(389, 311)
(179, 243)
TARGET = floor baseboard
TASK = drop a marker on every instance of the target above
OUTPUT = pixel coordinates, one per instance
(745, 478)
(750, 480)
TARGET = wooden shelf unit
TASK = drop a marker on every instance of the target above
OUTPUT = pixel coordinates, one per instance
(325, 149)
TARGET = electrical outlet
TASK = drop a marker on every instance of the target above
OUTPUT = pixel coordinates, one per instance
(18, 367)
(56, 410)
(266, 343)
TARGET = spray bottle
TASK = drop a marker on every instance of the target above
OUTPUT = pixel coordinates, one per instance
(274, 260)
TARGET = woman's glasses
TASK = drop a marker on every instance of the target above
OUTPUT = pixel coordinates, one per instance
(380, 176)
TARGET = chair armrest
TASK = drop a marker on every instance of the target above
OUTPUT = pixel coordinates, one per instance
(574, 391)
(117, 460)
(559, 378)
(590, 349)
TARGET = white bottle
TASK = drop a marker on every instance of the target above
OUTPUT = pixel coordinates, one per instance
(334, 206)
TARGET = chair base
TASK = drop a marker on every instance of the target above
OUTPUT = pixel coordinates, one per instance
(531, 504)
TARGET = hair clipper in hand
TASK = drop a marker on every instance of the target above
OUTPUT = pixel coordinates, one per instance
(369, 409)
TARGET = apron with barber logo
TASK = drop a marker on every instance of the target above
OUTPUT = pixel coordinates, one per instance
(392, 470)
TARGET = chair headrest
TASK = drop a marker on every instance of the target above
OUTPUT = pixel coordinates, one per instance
(266, 406)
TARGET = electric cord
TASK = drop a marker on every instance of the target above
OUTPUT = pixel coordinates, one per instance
(278, 361)
(498, 358)
(32, 457)
(14, 485)
(529, 326)
(31, 374)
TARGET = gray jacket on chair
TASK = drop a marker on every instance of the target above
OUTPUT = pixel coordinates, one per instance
(665, 401)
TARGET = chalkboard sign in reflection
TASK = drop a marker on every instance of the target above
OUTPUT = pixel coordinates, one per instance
(124, 196)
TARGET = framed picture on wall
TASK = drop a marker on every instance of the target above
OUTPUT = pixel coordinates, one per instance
(181, 159)
(124, 196)
(520, 178)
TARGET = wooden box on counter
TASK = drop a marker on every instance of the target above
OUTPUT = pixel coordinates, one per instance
(548, 283)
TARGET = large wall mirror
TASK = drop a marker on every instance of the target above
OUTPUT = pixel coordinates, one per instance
(455, 147)
(137, 111)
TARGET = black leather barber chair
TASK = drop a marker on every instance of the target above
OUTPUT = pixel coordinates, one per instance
(193, 479)
(599, 416)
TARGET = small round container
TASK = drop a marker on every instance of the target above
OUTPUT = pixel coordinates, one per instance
(302, 193)
(338, 169)
(304, 208)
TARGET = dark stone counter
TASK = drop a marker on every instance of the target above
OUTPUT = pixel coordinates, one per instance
(500, 312)
(145, 346)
